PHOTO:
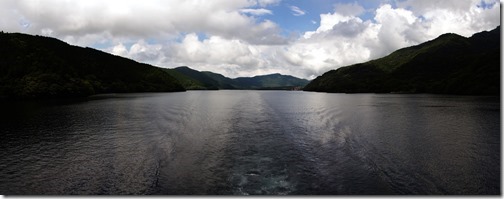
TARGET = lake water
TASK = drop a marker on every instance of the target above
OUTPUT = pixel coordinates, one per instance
(252, 142)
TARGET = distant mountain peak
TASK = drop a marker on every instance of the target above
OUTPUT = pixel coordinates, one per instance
(184, 67)
(204, 79)
(272, 74)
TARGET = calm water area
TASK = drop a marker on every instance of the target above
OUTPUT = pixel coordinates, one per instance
(252, 142)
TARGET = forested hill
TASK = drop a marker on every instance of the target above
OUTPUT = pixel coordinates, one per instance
(449, 64)
(194, 80)
(43, 67)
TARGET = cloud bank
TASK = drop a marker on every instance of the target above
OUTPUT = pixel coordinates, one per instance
(236, 38)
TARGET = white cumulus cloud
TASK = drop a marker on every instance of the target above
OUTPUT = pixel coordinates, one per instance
(140, 19)
(260, 11)
(344, 39)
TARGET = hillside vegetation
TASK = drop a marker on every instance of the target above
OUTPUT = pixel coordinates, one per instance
(195, 80)
(43, 67)
(449, 64)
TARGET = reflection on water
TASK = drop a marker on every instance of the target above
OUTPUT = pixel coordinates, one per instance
(252, 142)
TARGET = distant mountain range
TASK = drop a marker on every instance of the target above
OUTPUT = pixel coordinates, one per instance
(449, 64)
(44, 67)
(196, 80)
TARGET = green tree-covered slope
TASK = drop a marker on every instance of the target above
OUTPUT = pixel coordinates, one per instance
(187, 82)
(449, 64)
(272, 81)
(43, 67)
(194, 80)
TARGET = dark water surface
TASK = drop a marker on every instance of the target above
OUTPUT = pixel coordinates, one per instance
(252, 142)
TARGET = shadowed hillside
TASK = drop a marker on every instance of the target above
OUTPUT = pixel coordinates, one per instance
(449, 64)
(43, 67)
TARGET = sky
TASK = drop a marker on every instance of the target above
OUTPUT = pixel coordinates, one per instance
(237, 38)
